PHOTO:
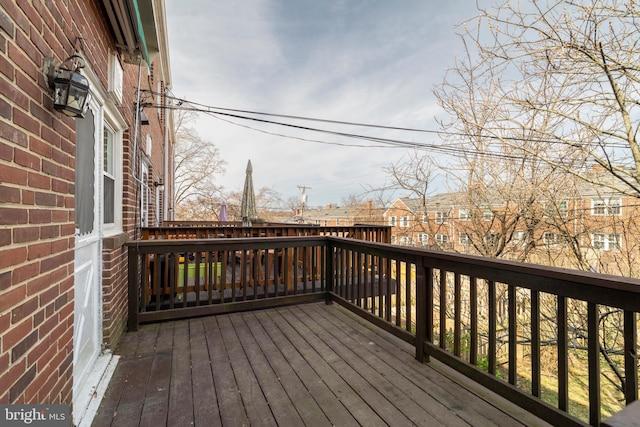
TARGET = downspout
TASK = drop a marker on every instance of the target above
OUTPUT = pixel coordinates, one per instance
(165, 161)
(134, 163)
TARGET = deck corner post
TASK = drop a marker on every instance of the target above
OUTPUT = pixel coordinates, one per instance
(133, 306)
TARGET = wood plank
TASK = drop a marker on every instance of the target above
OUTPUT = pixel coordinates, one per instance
(251, 393)
(205, 399)
(412, 399)
(358, 379)
(180, 397)
(379, 377)
(469, 406)
(232, 411)
(279, 402)
(306, 406)
(326, 399)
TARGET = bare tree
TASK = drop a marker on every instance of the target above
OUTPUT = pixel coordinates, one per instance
(197, 162)
(564, 72)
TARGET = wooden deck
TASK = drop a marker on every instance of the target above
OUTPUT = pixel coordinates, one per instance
(313, 365)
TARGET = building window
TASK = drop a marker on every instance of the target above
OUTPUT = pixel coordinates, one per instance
(392, 221)
(406, 240)
(600, 207)
(549, 238)
(425, 217)
(442, 239)
(463, 238)
(338, 222)
(487, 215)
(423, 238)
(108, 174)
(404, 222)
(463, 214)
(607, 242)
(442, 217)
(518, 237)
(394, 239)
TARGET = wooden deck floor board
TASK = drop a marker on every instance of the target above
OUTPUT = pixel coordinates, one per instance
(333, 409)
(361, 412)
(300, 365)
(304, 403)
(277, 397)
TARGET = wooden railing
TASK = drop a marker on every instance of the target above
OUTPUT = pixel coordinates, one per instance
(216, 230)
(503, 324)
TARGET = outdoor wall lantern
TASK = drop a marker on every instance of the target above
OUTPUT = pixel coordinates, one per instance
(70, 88)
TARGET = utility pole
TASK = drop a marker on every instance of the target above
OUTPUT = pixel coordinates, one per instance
(303, 189)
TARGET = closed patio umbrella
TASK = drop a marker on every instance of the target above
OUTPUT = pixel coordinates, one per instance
(223, 212)
(248, 206)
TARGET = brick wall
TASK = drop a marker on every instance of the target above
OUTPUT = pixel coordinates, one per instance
(37, 173)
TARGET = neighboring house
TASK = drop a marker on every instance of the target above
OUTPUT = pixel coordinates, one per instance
(586, 226)
(337, 216)
(74, 190)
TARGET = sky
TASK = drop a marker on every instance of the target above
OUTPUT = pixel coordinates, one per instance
(363, 61)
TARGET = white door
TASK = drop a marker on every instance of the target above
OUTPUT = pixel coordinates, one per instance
(87, 333)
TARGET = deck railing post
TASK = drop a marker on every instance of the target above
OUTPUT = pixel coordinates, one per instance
(329, 248)
(133, 260)
(421, 312)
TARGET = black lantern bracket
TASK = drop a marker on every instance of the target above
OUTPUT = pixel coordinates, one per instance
(71, 93)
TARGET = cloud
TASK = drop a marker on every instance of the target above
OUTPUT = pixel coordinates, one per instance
(362, 61)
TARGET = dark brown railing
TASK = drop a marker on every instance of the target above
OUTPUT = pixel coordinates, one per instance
(216, 230)
(503, 324)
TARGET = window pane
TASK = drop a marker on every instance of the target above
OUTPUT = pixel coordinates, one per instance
(109, 200)
(108, 151)
(85, 170)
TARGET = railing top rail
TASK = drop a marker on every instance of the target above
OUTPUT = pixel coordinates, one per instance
(619, 291)
(241, 243)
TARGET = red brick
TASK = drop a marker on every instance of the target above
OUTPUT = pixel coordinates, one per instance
(26, 272)
(10, 91)
(59, 216)
(39, 216)
(5, 109)
(5, 280)
(25, 234)
(38, 146)
(39, 250)
(50, 168)
(9, 194)
(6, 151)
(50, 136)
(12, 375)
(6, 24)
(23, 346)
(49, 231)
(45, 199)
(38, 285)
(10, 174)
(17, 390)
(24, 158)
(13, 216)
(41, 114)
(16, 54)
(60, 245)
(28, 197)
(28, 86)
(39, 181)
(12, 297)
(6, 68)
(16, 334)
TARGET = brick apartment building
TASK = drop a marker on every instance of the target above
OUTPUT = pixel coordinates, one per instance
(73, 190)
(590, 227)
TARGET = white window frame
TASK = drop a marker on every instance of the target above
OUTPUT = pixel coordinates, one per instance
(404, 221)
(406, 240)
(442, 217)
(487, 214)
(463, 238)
(442, 239)
(392, 221)
(111, 119)
(463, 214)
(606, 241)
(549, 238)
(610, 206)
(423, 238)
